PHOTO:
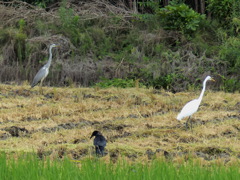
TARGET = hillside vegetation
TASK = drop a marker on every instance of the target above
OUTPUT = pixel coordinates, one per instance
(171, 47)
(139, 124)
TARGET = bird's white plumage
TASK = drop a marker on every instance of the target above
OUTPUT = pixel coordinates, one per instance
(191, 107)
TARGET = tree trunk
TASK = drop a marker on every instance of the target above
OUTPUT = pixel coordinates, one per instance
(165, 2)
(130, 2)
(202, 6)
(135, 9)
(196, 5)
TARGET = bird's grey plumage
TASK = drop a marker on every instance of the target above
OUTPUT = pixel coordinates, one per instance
(43, 72)
(40, 76)
(99, 142)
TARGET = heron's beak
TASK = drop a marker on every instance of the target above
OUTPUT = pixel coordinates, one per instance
(212, 79)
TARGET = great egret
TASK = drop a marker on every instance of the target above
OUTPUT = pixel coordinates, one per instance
(191, 107)
(99, 142)
(43, 72)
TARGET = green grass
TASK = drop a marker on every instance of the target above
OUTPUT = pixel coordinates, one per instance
(30, 167)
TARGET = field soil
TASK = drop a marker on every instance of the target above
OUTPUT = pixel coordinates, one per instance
(139, 123)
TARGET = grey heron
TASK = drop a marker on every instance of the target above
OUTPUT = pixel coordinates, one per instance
(43, 72)
(99, 142)
(191, 107)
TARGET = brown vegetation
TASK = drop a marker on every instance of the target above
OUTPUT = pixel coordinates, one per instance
(138, 123)
(67, 68)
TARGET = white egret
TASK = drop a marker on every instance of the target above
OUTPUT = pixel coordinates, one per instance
(191, 107)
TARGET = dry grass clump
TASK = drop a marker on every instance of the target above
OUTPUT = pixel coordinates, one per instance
(138, 123)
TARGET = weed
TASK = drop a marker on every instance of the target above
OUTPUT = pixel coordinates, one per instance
(230, 53)
(121, 83)
(230, 85)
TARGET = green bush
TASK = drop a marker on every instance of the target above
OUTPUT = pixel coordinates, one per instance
(4, 36)
(236, 24)
(230, 53)
(69, 24)
(230, 84)
(121, 83)
(86, 43)
(178, 16)
(165, 82)
(101, 43)
(224, 10)
(152, 5)
(20, 43)
(206, 40)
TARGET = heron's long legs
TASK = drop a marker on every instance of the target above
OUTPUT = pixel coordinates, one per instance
(40, 88)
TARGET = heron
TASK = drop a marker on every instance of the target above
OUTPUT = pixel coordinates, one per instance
(43, 72)
(191, 107)
(99, 142)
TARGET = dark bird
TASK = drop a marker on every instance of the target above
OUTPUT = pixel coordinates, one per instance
(99, 142)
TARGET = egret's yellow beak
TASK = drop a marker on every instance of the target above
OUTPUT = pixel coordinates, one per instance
(212, 79)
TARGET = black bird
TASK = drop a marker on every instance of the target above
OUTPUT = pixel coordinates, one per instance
(99, 142)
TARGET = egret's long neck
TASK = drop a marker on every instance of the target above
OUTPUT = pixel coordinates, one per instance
(203, 90)
(50, 58)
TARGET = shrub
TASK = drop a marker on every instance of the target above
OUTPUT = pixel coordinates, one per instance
(230, 84)
(167, 81)
(101, 44)
(20, 38)
(69, 24)
(236, 24)
(230, 53)
(4, 36)
(121, 83)
(178, 16)
(224, 10)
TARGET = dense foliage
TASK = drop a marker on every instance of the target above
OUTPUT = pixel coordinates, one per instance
(171, 47)
(180, 17)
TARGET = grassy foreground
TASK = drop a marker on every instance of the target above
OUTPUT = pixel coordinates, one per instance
(30, 167)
